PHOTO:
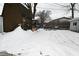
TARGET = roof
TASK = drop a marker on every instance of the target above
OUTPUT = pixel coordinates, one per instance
(75, 19)
(24, 5)
(2, 5)
(36, 18)
(22, 8)
(62, 18)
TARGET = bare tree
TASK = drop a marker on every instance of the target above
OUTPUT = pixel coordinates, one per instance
(28, 16)
(29, 11)
(71, 7)
(35, 4)
(43, 16)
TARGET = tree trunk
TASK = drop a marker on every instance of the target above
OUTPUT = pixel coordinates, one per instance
(28, 16)
(72, 9)
(35, 4)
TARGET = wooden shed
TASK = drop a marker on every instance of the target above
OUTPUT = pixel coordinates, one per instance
(13, 14)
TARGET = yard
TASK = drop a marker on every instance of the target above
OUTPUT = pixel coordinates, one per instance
(40, 42)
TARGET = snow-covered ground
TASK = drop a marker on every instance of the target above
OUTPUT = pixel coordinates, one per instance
(40, 42)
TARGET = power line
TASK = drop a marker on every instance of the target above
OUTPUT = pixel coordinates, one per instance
(50, 8)
(63, 5)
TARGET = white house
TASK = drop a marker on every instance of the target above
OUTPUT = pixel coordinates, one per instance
(74, 24)
(1, 24)
(1, 18)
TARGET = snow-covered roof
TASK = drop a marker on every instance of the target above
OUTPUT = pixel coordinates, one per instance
(24, 5)
(75, 19)
(36, 18)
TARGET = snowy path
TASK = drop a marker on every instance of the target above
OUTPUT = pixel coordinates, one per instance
(41, 43)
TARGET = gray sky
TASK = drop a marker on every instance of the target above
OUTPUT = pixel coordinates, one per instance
(1, 7)
(57, 9)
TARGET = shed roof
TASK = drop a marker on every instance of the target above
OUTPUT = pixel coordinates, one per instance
(22, 8)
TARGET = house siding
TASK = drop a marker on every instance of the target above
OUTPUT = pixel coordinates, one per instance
(78, 26)
(74, 28)
(61, 23)
(1, 24)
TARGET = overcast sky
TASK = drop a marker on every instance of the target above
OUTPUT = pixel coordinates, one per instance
(57, 10)
(1, 8)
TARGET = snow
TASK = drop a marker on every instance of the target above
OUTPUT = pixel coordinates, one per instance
(40, 42)
(24, 5)
(36, 18)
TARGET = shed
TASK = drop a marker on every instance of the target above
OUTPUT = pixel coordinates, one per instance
(74, 24)
(13, 14)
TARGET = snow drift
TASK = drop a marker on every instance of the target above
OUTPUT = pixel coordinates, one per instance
(40, 42)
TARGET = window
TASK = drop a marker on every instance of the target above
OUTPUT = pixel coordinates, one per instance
(75, 23)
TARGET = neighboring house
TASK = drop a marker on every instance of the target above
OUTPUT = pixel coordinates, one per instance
(60, 23)
(1, 24)
(13, 14)
(74, 24)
